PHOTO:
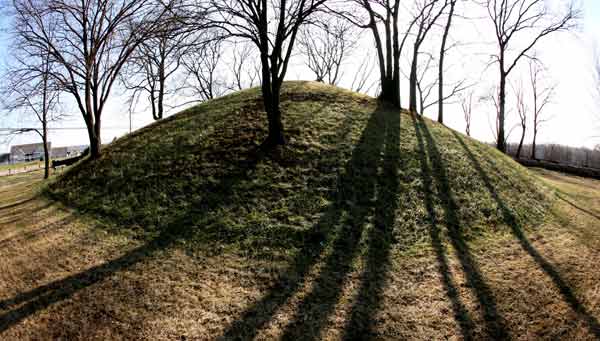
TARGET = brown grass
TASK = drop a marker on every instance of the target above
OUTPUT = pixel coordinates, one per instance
(61, 278)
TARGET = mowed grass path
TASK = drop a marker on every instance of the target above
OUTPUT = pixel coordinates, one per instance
(60, 277)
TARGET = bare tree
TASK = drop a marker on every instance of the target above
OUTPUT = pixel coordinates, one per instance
(429, 11)
(522, 109)
(29, 90)
(273, 27)
(381, 18)
(466, 104)
(520, 21)
(244, 68)
(150, 68)
(424, 89)
(542, 95)
(443, 51)
(89, 41)
(201, 70)
(426, 86)
(361, 81)
(325, 44)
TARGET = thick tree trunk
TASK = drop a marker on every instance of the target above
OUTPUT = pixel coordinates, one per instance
(390, 91)
(413, 81)
(271, 90)
(95, 143)
(501, 143)
(275, 137)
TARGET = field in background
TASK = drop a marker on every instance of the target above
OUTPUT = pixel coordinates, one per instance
(21, 167)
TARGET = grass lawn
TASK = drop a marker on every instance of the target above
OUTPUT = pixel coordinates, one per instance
(20, 166)
(370, 223)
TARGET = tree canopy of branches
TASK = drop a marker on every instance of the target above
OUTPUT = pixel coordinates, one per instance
(542, 95)
(29, 90)
(429, 11)
(325, 44)
(151, 66)
(526, 21)
(273, 27)
(522, 110)
(89, 41)
(201, 71)
(381, 18)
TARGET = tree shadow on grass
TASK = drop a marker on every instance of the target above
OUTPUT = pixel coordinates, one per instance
(337, 238)
(184, 226)
(494, 322)
(517, 230)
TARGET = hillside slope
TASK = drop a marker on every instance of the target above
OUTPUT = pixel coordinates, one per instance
(369, 223)
(199, 174)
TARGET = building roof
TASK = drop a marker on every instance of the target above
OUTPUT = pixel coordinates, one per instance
(25, 149)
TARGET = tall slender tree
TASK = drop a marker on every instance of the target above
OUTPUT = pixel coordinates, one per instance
(541, 97)
(429, 11)
(523, 22)
(443, 51)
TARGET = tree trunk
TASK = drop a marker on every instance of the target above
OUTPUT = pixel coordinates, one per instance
(441, 66)
(275, 137)
(46, 151)
(95, 143)
(413, 81)
(501, 144)
(521, 144)
(390, 91)
(271, 97)
(533, 144)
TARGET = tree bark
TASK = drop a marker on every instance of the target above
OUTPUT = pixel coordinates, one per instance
(413, 80)
(501, 142)
(533, 157)
(441, 66)
(521, 143)
(46, 151)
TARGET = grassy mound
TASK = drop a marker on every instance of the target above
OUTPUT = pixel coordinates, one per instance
(352, 166)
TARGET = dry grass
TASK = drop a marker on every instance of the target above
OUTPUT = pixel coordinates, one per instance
(62, 278)
(439, 238)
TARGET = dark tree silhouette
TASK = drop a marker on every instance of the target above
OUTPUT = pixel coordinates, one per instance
(273, 27)
(89, 41)
(520, 20)
(443, 50)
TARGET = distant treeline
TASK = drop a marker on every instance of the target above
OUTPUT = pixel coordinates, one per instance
(559, 154)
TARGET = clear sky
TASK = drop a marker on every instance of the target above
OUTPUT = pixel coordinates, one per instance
(569, 57)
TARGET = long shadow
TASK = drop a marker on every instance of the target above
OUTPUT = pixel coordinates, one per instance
(361, 323)
(353, 204)
(517, 230)
(15, 309)
(495, 326)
